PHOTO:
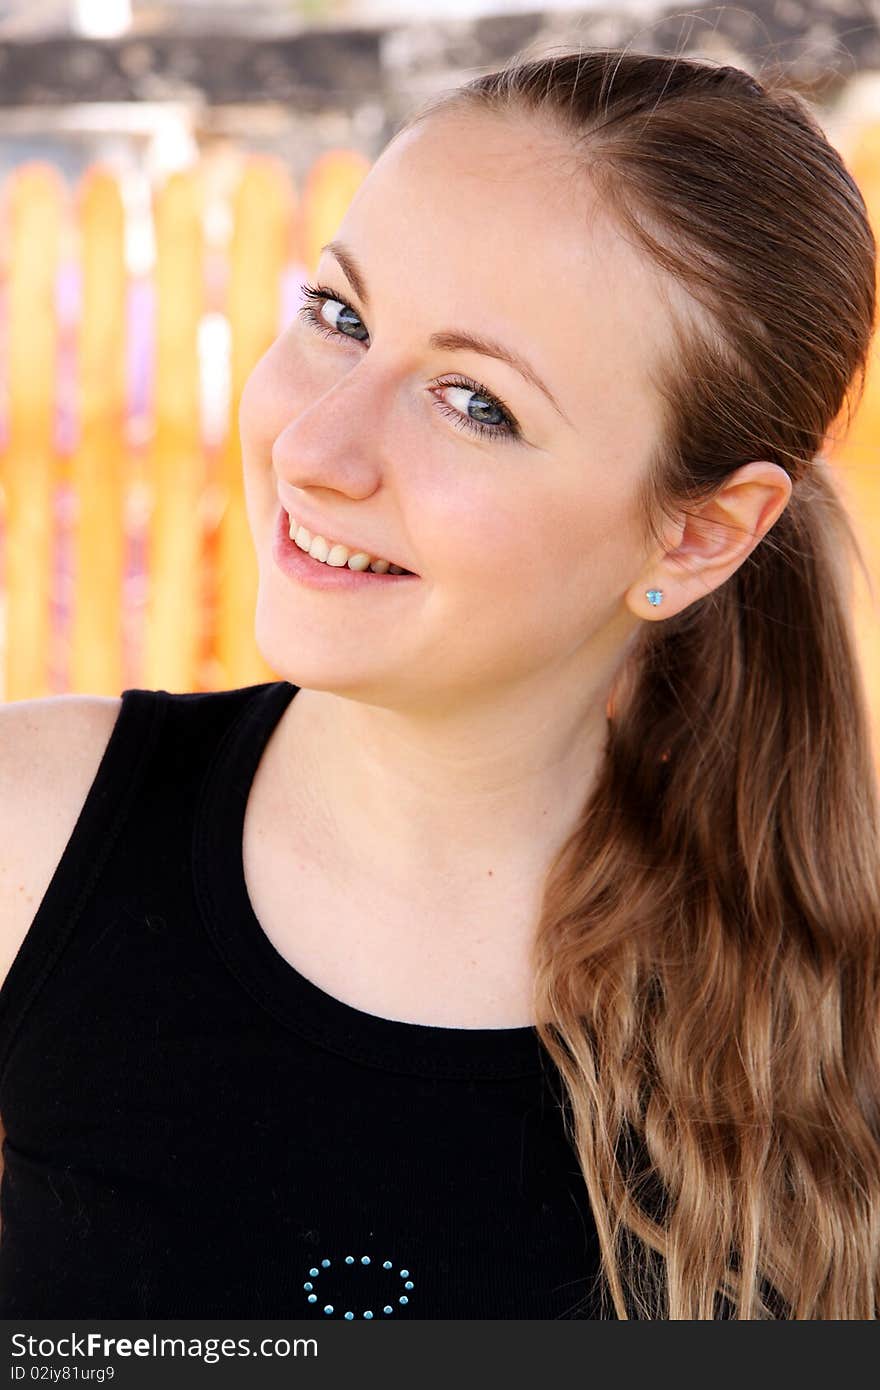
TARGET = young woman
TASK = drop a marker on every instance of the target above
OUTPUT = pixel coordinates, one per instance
(517, 954)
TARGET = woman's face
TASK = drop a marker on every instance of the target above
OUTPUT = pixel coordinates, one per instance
(524, 535)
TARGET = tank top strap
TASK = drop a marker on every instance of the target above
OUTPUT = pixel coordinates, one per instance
(100, 821)
(152, 764)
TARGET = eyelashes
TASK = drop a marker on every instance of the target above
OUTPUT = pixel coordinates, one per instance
(507, 429)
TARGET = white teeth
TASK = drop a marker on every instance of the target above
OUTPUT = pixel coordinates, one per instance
(338, 555)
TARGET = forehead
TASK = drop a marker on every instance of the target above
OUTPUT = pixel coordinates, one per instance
(491, 223)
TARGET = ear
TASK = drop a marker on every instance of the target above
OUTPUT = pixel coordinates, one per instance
(715, 537)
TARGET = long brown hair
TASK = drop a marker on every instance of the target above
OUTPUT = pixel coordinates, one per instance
(707, 958)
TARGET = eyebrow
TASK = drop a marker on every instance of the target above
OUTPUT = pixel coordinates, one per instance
(448, 340)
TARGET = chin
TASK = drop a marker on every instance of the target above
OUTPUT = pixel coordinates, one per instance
(326, 664)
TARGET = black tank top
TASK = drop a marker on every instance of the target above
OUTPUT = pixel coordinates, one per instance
(195, 1129)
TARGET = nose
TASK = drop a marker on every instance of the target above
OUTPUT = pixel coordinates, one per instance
(335, 442)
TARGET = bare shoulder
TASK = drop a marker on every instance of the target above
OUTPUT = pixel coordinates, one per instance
(50, 750)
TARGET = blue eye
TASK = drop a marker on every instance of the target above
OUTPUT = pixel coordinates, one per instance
(503, 427)
(309, 311)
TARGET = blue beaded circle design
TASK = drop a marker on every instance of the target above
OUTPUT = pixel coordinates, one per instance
(365, 1260)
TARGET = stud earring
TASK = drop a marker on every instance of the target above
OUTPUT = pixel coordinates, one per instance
(654, 596)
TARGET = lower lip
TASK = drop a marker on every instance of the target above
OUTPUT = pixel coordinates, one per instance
(299, 565)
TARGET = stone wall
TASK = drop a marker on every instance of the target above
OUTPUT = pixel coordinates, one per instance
(342, 67)
(295, 93)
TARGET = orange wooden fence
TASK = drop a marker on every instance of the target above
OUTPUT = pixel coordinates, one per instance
(66, 581)
(95, 623)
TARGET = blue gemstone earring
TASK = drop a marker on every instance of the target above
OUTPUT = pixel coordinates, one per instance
(654, 596)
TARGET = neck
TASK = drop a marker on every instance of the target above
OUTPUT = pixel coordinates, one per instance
(448, 806)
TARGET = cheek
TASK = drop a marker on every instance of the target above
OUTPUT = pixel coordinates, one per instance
(253, 414)
(549, 562)
(475, 525)
(473, 554)
(507, 533)
(273, 394)
(497, 581)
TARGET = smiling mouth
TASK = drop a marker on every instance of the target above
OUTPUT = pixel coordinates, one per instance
(336, 555)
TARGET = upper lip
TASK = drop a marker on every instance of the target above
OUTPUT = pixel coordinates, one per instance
(331, 534)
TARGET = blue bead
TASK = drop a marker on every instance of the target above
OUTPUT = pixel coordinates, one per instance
(308, 1286)
(349, 1259)
(403, 1298)
(325, 1263)
(386, 1264)
(365, 1259)
(313, 1298)
(349, 1316)
(654, 596)
(387, 1308)
(404, 1274)
(328, 1307)
(368, 1314)
(313, 1272)
(408, 1284)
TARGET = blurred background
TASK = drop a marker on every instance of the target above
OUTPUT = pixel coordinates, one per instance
(168, 171)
